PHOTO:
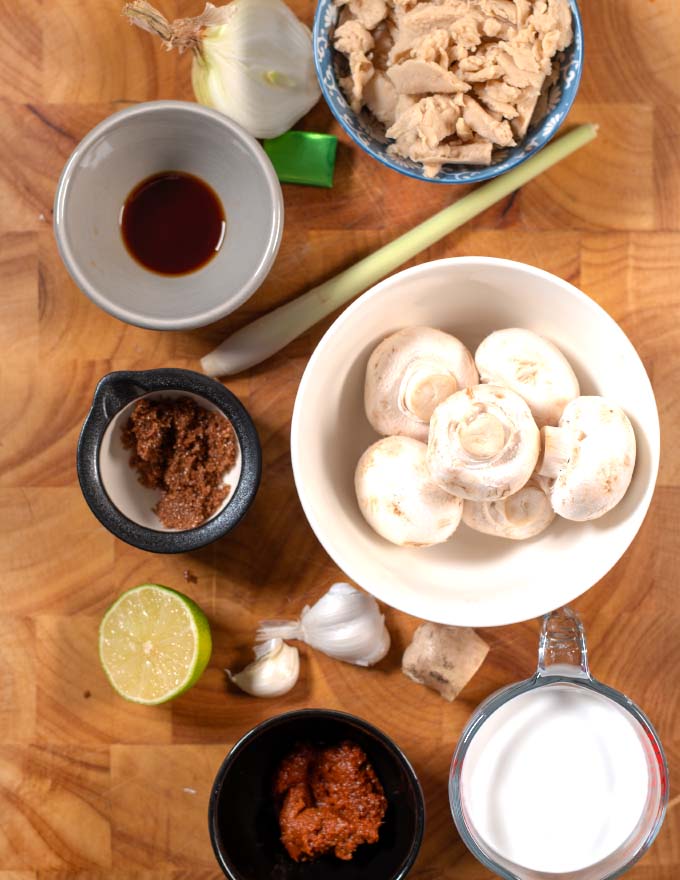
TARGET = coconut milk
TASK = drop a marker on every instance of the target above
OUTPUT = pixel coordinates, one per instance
(556, 779)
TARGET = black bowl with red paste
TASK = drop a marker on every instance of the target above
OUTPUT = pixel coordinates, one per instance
(245, 803)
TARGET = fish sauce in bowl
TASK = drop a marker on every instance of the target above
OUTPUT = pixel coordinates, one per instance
(173, 223)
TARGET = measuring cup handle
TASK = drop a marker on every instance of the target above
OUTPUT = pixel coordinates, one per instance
(562, 646)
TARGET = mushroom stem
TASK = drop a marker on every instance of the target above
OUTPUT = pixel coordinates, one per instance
(589, 458)
(483, 436)
(422, 391)
(557, 447)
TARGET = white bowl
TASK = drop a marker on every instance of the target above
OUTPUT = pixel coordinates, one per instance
(124, 150)
(473, 579)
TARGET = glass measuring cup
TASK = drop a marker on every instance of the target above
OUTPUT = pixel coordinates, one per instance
(562, 679)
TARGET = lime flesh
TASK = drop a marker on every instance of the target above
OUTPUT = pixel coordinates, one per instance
(154, 644)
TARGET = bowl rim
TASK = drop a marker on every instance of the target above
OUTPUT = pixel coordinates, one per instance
(137, 317)
(113, 393)
(468, 615)
(484, 173)
(386, 741)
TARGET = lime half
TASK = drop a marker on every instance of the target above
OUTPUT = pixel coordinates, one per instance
(154, 644)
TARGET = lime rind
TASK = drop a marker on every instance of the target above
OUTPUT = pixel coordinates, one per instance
(196, 622)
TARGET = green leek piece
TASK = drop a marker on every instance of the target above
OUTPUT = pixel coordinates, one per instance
(263, 337)
(303, 157)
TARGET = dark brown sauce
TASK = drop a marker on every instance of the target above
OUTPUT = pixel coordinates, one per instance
(172, 223)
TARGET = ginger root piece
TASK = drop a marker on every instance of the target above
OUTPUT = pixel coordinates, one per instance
(444, 658)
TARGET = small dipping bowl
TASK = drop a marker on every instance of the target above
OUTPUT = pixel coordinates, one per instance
(127, 148)
(112, 488)
(244, 827)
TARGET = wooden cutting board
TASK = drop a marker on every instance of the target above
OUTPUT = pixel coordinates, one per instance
(91, 786)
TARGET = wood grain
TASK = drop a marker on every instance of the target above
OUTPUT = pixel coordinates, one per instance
(92, 787)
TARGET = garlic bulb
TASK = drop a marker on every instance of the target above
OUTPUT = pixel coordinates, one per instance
(346, 624)
(252, 60)
(273, 672)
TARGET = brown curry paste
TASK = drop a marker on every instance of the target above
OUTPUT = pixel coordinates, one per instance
(330, 801)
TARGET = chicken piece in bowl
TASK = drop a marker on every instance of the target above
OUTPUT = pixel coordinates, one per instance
(452, 92)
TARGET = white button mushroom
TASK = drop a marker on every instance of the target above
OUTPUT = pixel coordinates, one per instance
(533, 367)
(409, 374)
(590, 458)
(398, 497)
(483, 443)
(523, 515)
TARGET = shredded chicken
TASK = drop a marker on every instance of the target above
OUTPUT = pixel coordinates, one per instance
(354, 40)
(369, 13)
(416, 77)
(381, 97)
(433, 47)
(428, 122)
(452, 80)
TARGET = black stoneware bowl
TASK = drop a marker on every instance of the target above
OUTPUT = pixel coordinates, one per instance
(243, 824)
(110, 485)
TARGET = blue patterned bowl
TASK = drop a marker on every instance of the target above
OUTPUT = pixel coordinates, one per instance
(370, 136)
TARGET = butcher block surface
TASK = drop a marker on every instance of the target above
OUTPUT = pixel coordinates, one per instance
(94, 787)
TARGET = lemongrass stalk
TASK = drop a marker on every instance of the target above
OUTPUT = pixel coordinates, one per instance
(266, 335)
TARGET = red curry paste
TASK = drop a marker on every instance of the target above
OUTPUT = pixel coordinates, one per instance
(330, 801)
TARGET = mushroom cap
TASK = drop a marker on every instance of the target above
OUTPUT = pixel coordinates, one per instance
(595, 458)
(409, 374)
(398, 497)
(483, 443)
(523, 515)
(533, 367)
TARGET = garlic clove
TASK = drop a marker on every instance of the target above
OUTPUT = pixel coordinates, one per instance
(274, 671)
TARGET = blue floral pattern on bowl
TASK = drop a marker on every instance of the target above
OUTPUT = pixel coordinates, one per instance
(370, 136)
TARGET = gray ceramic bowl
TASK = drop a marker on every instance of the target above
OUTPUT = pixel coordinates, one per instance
(134, 144)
